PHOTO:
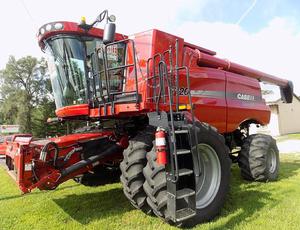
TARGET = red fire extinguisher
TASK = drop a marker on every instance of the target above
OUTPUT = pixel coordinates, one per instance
(160, 143)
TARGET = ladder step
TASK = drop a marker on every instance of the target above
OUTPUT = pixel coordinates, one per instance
(185, 193)
(185, 172)
(181, 131)
(184, 214)
(183, 151)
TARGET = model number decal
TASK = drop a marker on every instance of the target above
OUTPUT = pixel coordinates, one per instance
(183, 91)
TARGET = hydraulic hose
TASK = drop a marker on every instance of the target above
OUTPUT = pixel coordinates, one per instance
(83, 163)
(45, 152)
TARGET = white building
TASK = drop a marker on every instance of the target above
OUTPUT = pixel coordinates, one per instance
(285, 118)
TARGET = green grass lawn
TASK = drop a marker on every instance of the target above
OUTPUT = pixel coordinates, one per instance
(249, 205)
(294, 136)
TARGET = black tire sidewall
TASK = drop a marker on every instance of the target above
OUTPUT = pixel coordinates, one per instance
(253, 159)
(132, 165)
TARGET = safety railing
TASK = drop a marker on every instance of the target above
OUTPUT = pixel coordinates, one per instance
(168, 94)
(103, 94)
(157, 90)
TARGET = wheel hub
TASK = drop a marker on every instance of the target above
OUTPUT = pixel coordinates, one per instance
(209, 179)
(271, 161)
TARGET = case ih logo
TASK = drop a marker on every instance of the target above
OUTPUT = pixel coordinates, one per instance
(245, 97)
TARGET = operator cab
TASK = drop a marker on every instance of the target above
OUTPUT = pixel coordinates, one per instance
(87, 65)
(70, 68)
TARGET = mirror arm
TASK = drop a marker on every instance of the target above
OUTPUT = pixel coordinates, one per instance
(100, 18)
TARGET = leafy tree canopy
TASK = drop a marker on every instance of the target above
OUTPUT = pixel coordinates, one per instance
(25, 95)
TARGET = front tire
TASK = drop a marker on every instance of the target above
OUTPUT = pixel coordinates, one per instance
(259, 158)
(210, 197)
(134, 161)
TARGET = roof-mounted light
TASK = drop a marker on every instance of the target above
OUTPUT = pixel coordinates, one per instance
(51, 27)
(83, 20)
(42, 31)
(58, 26)
(48, 27)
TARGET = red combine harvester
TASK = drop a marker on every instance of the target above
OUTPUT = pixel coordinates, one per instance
(169, 114)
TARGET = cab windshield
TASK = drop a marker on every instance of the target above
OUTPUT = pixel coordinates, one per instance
(72, 79)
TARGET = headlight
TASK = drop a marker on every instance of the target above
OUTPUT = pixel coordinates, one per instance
(58, 26)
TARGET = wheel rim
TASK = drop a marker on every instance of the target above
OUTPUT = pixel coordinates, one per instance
(209, 179)
(272, 161)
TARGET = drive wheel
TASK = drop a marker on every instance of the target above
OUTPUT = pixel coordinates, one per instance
(259, 158)
(212, 185)
(134, 161)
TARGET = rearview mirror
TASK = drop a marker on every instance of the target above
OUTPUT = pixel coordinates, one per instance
(109, 32)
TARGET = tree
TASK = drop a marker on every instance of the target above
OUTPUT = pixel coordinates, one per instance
(25, 85)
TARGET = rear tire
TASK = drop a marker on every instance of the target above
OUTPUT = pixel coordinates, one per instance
(259, 158)
(132, 166)
(156, 188)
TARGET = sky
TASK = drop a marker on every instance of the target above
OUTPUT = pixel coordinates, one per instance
(262, 34)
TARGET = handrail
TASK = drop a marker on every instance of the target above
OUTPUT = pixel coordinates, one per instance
(125, 66)
(103, 51)
(98, 72)
(165, 75)
(155, 56)
(177, 75)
